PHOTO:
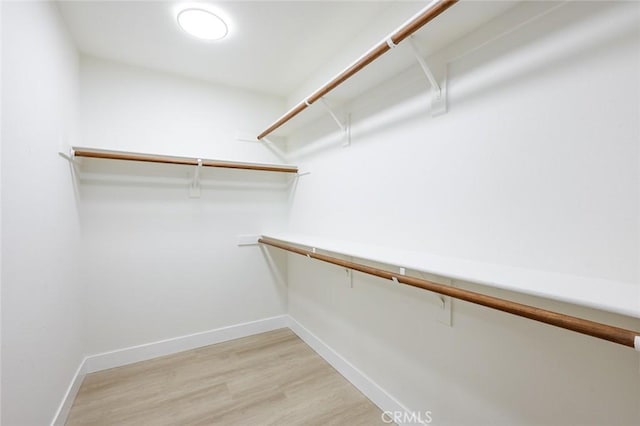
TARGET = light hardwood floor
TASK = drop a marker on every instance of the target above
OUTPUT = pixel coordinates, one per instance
(268, 379)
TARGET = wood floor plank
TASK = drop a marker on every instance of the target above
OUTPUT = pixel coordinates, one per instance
(272, 378)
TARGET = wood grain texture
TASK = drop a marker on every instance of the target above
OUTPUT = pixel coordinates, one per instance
(422, 19)
(427, 15)
(166, 159)
(272, 378)
(611, 333)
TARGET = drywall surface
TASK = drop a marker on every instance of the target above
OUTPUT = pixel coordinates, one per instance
(487, 368)
(381, 25)
(0, 217)
(532, 166)
(42, 291)
(135, 109)
(535, 165)
(160, 264)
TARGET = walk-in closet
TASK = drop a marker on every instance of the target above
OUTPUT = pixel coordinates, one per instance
(320, 213)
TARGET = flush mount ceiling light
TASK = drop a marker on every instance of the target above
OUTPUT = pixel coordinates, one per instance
(202, 24)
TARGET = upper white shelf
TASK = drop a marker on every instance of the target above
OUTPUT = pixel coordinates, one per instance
(433, 27)
(426, 15)
(612, 296)
(165, 159)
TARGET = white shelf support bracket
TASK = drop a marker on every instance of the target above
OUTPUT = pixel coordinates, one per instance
(68, 154)
(438, 89)
(402, 271)
(347, 132)
(345, 127)
(313, 250)
(194, 189)
(443, 313)
(443, 309)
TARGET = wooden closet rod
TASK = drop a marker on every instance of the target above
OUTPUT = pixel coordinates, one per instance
(151, 158)
(602, 331)
(434, 9)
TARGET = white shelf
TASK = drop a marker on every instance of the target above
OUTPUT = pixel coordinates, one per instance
(456, 22)
(611, 296)
(168, 159)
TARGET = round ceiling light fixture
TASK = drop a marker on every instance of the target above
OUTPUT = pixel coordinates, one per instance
(202, 24)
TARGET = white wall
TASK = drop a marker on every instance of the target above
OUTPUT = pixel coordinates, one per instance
(508, 166)
(381, 25)
(129, 108)
(158, 263)
(0, 216)
(42, 293)
(535, 165)
(553, 187)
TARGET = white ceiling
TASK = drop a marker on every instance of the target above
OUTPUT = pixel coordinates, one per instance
(272, 47)
(276, 47)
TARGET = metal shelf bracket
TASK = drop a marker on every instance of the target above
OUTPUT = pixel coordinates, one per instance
(68, 154)
(344, 127)
(438, 88)
(194, 189)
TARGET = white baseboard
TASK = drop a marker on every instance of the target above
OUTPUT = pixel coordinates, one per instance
(65, 407)
(125, 356)
(361, 381)
(152, 350)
